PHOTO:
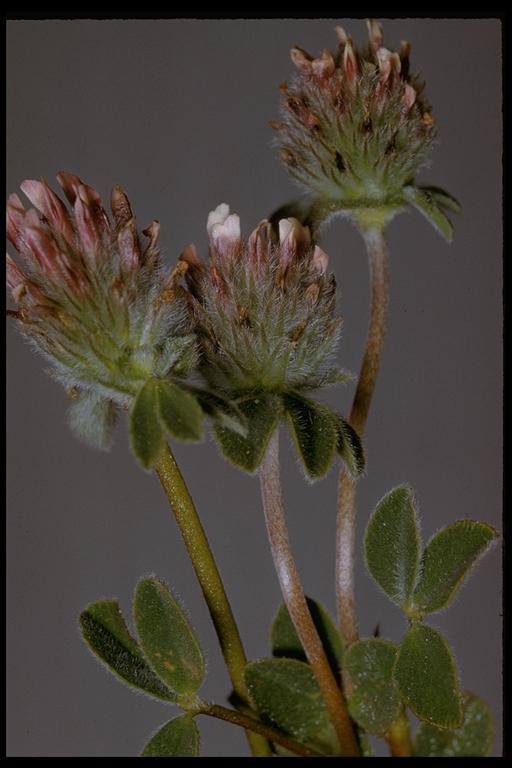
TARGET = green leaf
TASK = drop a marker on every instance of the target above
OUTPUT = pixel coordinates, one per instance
(225, 413)
(166, 638)
(177, 738)
(105, 632)
(426, 675)
(262, 415)
(180, 413)
(92, 419)
(285, 641)
(473, 739)
(392, 544)
(447, 558)
(313, 428)
(147, 436)
(375, 702)
(350, 448)
(443, 198)
(285, 691)
(425, 202)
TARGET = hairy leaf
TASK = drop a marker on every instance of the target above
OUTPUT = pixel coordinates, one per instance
(375, 701)
(313, 428)
(285, 691)
(177, 738)
(147, 436)
(472, 739)
(392, 544)
(350, 448)
(225, 413)
(447, 558)
(285, 641)
(426, 675)
(105, 632)
(425, 202)
(262, 415)
(180, 413)
(443, 198)
(166, 638)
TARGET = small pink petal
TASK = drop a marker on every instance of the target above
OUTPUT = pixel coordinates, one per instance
(15, 223)
(43, 246)
(341, 35)
(129, 249)
(375, 34)
(91, 220)
(302, 60)
(218, 216)
(120, 205)
(225, 237)
(70, 184)
(320, 260)
(323, 67)
(350, 63)
(51, 207)
(294, 240)
(152, 232)
(259, 245)
(409, 97)
(14, 279)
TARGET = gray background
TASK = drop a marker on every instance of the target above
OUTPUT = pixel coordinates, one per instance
(177, 112)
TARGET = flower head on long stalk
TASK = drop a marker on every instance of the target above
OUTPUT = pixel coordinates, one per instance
(264, 313)
(356, 127)
(99, 306)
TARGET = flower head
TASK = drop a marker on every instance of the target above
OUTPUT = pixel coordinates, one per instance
(264, 314)
(356, 126)
(94, 300)
(264, 309)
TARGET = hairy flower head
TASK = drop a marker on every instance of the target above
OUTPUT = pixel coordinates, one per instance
(93, 300)
(356, 127)
(264, 308)
(264, 314)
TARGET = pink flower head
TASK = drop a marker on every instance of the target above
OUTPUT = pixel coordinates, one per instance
(89, 295)
(263, 308)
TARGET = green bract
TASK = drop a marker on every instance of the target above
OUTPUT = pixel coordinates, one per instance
(264, 314)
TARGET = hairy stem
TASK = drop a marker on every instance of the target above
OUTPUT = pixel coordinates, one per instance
(250, 723)
(209, 578)
(398, 737)
(295, 600)
(345, 534)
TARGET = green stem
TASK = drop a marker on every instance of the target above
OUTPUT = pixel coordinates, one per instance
(209, 578)
(250, 723)
(345, 534)
(398, 737)
(295, 600)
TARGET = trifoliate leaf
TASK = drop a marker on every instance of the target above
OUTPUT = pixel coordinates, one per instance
(392, 544)
(472, 739)
(447, 558)
(105, 632)
(426, 675)
(146, 433)
(313, 428)
(262, 415)
(177, 738)
(166, 637)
